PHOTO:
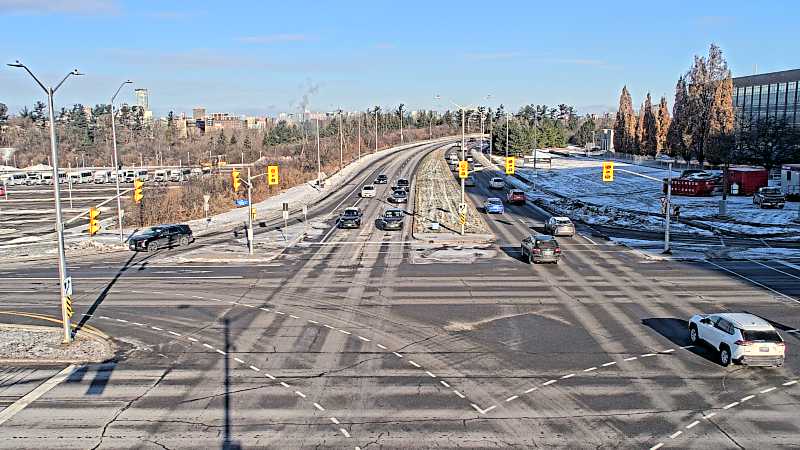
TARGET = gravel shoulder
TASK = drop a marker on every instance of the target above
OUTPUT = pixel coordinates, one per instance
(38, 344)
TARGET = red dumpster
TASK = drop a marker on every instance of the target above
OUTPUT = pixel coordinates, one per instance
(748, 179)
(694, 188)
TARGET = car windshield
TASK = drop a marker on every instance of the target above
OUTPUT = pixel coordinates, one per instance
(563, 221)
(494, 201)
(770, 191)
(151, 231)
(369, 188)
(761, 336)
(350, 213)
(393, 214)
(399, 194)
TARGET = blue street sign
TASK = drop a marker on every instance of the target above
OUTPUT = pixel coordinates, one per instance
(242, 202)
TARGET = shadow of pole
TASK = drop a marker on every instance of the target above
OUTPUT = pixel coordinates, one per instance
(106, 290)
(227, 442)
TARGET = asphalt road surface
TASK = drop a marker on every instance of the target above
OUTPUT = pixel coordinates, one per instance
(342, 342)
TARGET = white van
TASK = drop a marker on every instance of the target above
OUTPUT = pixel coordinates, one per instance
(161, 176)
(130, 175)
(143, 175)
(18, 178)
(102, 176)
(47, 178)
(33, 178)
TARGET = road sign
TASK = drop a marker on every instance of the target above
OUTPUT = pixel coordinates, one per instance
(68, 306)
(272, 175)
(510, 165)
(462, 217)
(68, 286)
(242, 202)
(206, 198)
(462, 208)
(463, 169)
(286, 207)
(608, 171)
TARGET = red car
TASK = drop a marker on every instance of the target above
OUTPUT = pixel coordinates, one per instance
(515, 196)
(2, 191)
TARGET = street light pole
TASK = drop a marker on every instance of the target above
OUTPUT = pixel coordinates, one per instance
(341, 142)
(376, 129)
(319, 160)
(62, 260)
(507, 137)
(250, 236)
(667, 249)
(401, 124)
(360, 119)
(116, 160)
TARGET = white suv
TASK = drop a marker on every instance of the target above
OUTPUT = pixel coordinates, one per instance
(739, 337)
(368, 191)
(497, 183)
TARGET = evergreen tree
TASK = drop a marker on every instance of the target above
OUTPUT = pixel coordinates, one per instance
(3, 114)
(650, 129)
(585, 133)
(625, 125)
(233, 139)
(678, 137)
(222, 142)
(246, 143)
(704, 79)
(662, 125)
(720, 144)
(38, 114)
(640, 137)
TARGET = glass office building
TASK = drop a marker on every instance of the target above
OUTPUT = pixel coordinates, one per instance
(768, 95)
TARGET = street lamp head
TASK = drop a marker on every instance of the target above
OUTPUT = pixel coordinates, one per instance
(16, 64)
(75, 72)
(437, 97)
(128, 82)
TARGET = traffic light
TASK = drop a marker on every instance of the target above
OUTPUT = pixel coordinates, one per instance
(608, 171)
(236, 179)
(510, 163)
(463, 169)
(253, 213)
(138, 186)
(272, 175)
(94, 226)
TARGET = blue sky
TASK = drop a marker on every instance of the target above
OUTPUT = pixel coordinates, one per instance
(262, 57)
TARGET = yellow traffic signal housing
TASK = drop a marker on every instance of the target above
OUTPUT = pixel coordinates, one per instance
(272, 175)
(138, 186)
(236, 179)
(463, 169)
(94, 226)
(608, 171)
(253, 213)
(510, 165)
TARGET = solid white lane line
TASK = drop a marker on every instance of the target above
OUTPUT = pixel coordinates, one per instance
(752, 281)
(776, 270)
(12, 409)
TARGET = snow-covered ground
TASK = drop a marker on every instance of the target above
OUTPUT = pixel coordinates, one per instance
(633, 200)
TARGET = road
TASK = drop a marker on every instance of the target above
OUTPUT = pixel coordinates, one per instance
(342, 342)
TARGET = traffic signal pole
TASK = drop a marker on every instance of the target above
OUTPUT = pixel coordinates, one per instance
(249, 212)
(463, 158)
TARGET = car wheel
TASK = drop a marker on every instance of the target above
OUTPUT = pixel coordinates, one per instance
(724, 356)
(693, 337)
(152, 247)
(184, 241)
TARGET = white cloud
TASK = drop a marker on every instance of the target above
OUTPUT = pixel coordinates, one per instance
(59, 7)
(274, 38)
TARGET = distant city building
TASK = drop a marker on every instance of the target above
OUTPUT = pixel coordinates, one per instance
(765, 95)
(142, 99)
(198, 113)
(223, 121)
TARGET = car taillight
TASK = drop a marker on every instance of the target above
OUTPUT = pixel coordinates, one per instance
(558, 249)
(740, 342)
(537, 251)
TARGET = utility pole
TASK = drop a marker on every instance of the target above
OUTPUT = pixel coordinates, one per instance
(66, 313)
(507, 139)
(341, 142)
(117, 168)
(430, 125)
(401, 123)
(463, 158)
(667, 249)
(319, 161)
(249, 212)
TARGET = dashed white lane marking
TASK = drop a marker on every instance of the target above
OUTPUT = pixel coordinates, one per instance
(631, 358)
(280, 313)
(657, 446)
(675, 434)
(590, 369)
(692, 425)
(197, 296)
(767, 390)
(255, 368)
(459, 394)
(709, 415)
(414, 364)
(174, 333)
(364, 339)
(319, 407)
(300, 394)
(264, 309)
(335, 420)
(156, 328)
(531, 390)
(208, 346)
(220, 351)
(513, 397)
(293, 316)
(122, 320)
(135, 323)
(444, 383)
(313, 321)
(730, 405)
(789, 383)
(344, 432)
(647, 355)
(191, 339)
(744, 399)
(609, 364)
(238, 360)
(547, 383)
(381, 347)
(397, 354)
(328, 326)
(430, 374)
(285, 384)
(345, 332)
(567, 376)
(269, 376)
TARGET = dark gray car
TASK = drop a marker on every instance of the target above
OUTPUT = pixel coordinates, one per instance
(392, 219)
(540, 248)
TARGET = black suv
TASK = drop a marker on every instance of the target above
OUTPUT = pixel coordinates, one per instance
(161, 236)
(403, 183)
(382, 179)
(350, 218)
(767, 197)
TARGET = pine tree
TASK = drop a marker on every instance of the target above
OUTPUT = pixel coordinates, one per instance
(650, 129)
(625, 125)
(719, 142)
(640, 136)
(662, 125)
(704, 79)
(678, 132)
(233, 139)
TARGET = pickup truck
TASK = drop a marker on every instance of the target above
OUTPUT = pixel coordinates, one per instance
(767, 197)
